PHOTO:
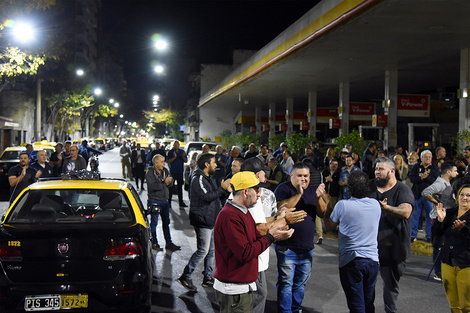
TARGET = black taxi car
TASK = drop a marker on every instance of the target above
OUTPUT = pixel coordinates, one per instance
(76, 245)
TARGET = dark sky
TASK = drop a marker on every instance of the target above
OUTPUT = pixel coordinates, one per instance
(198, 32)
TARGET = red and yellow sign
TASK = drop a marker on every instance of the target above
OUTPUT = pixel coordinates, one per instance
(413, 105)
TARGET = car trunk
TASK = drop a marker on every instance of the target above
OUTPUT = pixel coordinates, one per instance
(70, 255)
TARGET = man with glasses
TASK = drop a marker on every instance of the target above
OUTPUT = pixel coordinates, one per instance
(74, 162)
(238, 244)
(396, 200)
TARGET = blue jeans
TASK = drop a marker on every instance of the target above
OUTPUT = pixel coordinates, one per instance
(294, 269)
(420, 204)
(205, 250)
(165, 213)
(358, 279)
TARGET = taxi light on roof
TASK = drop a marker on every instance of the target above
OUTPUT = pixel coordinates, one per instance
(125, 251)
(10, 254)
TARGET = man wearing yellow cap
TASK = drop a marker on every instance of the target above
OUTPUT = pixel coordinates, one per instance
(238, 244)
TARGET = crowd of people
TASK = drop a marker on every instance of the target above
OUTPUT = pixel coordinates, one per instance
(242, 203)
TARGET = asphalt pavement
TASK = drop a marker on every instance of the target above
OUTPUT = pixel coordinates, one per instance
(323, 292)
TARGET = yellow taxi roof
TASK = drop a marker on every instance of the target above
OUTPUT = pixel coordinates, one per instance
(79, 183)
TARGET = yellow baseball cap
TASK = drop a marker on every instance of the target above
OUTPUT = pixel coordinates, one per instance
(244, 180)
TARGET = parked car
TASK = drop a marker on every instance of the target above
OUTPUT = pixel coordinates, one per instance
(76, 244)
(197, 146)
(100, 144)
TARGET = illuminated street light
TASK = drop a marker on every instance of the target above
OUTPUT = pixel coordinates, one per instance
(161, 45)
(111, 101)
(159, 69)
(116, 105)
(23, 32)
(80, 72)
(121, 116)
(98, 91)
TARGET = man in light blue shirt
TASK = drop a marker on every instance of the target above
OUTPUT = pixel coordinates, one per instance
(358, 220)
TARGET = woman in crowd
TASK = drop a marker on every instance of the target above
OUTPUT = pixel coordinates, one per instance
(453, 227)
(402, 168)
(330, 154)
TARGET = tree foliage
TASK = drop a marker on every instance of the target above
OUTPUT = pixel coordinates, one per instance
(276, 140)
(170, 118)
(65, 107)
(14, 62)
(354, 138)
(298, 142)
(461, 141)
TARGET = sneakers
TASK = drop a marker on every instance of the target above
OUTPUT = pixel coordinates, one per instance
(437, 276)
(208, 282)
(319, 241)
(172, 247)
(187, 283)
(413, 239)
(157, 247)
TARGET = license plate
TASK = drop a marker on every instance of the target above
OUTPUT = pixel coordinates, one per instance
(55, 302)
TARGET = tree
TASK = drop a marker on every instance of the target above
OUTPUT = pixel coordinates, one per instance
(276, 140)
(353, 138)
(298, 142)
(461, 141)
(227, 139)
(65, 106)
(171, 119)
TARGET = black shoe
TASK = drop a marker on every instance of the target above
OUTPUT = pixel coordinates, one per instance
(187, 283)
(172, 247)
(413, 239)
(183, 205)
(319, 241)
(437, 277)
(209, 283)
(142, 188)
(157, 247)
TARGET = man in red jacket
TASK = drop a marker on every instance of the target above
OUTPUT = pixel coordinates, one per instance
(238, 244)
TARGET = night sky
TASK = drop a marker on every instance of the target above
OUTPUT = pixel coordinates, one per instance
(198, 32)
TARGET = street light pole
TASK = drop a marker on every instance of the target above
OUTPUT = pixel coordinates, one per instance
(38, 108)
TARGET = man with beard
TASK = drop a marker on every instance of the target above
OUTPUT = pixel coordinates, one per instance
(21, 176)
(204, 206)
(238, 244)
(396, 200)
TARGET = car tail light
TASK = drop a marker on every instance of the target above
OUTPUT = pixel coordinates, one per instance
(130, 250)
(10, 254)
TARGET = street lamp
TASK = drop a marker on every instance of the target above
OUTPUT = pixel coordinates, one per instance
(159, 69)
(98, 91)
(161, 45)
(23, 32)
(80, 72)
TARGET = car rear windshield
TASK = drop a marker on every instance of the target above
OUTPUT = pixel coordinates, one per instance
(71, 206)
(11, 155)
(198, 146)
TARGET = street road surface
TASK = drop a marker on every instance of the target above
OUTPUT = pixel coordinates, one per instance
(323, 293)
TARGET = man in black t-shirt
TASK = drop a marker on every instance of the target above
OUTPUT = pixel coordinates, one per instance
(394, 239)
(21, 176)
